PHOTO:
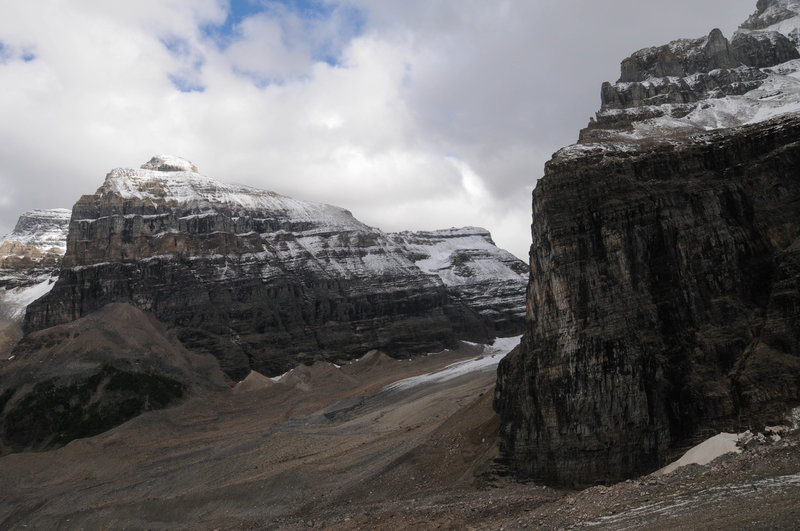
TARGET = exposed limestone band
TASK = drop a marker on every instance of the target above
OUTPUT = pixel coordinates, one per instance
(264, 281)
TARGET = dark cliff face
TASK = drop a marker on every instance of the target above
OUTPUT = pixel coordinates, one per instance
(259, 280)
(664, 296)
(663, 304)
(679, 59)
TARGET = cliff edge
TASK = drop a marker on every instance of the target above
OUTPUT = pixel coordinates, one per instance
(664, 293)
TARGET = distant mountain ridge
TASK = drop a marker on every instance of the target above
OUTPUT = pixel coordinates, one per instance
(44, 229)
(264, 281)
(29, 259)
(473, 269)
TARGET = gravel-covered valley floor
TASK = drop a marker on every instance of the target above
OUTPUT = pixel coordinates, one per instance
(341, 448)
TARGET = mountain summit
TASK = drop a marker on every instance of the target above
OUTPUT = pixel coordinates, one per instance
(690, 86)
(263, 281)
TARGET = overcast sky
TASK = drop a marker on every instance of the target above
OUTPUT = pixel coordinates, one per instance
(413, 114)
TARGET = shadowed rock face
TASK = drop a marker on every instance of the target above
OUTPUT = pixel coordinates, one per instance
(664, 293)
(771, 12)
(259, 280)
(679, 58)
(664, 302)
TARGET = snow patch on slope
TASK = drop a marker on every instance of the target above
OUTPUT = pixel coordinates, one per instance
(777, 17)
(489, 358)
(181, 186)
(43, 229)
(705, 452)
(441, 253)
(13, 302)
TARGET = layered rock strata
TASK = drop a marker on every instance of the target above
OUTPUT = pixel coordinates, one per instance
(475, 271)
(29, 259)
(260, 280)
(663, 302)
(692, 85)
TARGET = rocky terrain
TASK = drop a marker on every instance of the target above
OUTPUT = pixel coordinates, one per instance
(84, 377)
(316, 439)
(662, 308)
(376, 443)
(693, 85)
(263, 281)
(474, 270)
(665, 265)
(29, 259)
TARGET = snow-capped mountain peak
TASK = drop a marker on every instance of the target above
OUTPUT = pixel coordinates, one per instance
(29, 259)
(776, 15)
(170, 180)
(691, 86)
(169, 163)
(44, 229)
(262, 281)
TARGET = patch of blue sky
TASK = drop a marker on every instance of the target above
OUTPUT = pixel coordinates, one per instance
(185, 84)
(238, 10)
(11, 53)
(182, 50)
(350, 23)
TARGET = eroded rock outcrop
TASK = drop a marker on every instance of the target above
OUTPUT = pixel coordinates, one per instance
(679, 58)
(260, 280)
(664, 296)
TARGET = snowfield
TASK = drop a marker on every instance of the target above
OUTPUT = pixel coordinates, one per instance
(489, 358)
(705, 452)
(14, 301)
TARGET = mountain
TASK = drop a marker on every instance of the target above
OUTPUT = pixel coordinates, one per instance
(689, 86)
(474, 270)
(263, 281)
(29, 259)
(664, 292)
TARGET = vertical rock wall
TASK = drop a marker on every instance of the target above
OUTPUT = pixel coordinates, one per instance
(663, 303)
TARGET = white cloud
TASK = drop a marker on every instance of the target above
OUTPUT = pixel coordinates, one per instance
(420, 114)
